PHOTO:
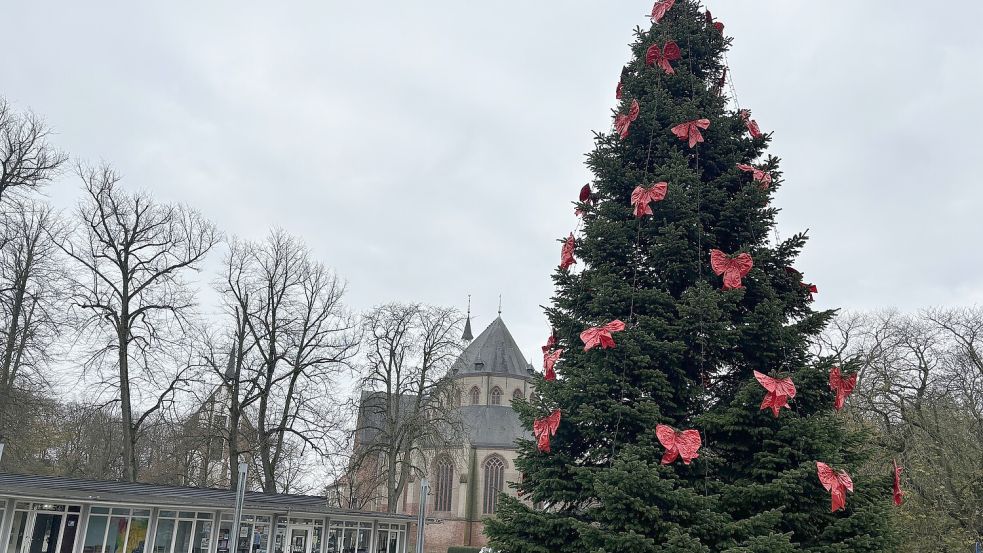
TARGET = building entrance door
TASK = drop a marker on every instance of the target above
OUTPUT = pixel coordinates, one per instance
(300, 539)
(45, 529)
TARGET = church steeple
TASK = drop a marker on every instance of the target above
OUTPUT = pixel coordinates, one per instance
(468, 336)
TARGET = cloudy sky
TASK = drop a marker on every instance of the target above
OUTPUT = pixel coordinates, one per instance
(430, 150)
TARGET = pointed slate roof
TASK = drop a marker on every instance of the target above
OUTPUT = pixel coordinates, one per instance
(494, 351)
(468, 336)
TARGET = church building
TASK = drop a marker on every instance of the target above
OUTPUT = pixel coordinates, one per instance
(465, 482)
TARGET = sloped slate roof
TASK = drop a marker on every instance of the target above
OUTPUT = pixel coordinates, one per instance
(494, 351)
(72, 489)
(492, 426)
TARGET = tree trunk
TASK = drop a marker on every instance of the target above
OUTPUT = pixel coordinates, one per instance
(126, 408)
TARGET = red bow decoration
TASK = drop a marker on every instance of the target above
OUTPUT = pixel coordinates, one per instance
(549, 360)
(544, 428)
(751, 124)
(642, 197)
(683, 444)
(733, 269)
(601, 335)
(566, 253)
(586, 197)
(662, 56)
(842, 386)
(660, 8)
(550, 343)
(780, 390)
(716, 25)
(690, 130)
(759, 175)
(898, 494)
(810, 288)
(836, 483)
(623, 121)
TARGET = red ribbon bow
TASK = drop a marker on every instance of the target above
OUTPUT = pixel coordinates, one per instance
(751, 124)
(660, 8)
(662, 56)
(586, 197)
(601, 335)
(716, 25)
(549, 360)
(836, 483)
(623, 121)
(733, 269)
(683, 444)
(842, 386)
(759, 175)
(780, 390)
(690, 130)
(642, 197)
(898, 494)
(550, 343)
(566, 253)
(544, 428)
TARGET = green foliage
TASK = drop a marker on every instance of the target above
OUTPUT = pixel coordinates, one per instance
(458, 549)
(687, 356)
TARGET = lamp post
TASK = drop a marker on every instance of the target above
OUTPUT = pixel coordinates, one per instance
(2, 440)
(240, 500)
(422, 520)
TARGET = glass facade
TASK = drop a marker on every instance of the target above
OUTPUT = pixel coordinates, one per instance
(116, 530)
(390, 538)
(61, 528)
(254, 534)
(182, 532)
(349, 537)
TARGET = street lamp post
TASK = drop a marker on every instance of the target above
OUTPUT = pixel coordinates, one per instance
(240, 500)
(422, 520)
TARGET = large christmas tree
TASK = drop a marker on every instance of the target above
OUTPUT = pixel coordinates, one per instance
(699, 321)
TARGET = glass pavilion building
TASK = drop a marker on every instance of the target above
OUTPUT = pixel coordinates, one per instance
(44, 514)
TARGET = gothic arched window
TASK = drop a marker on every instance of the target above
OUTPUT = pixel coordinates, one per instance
(496, 396)
(517, 394)
(444, 484)
(494, 469)
(475, 396)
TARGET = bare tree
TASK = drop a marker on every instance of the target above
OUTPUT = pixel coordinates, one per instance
(406, 410)
(27, 161)
(132, 254)
(289, 339)
(921, 393)
(33, 283)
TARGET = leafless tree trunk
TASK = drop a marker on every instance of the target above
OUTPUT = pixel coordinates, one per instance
(33, 284)
(132, 254)
(406, 409)
(27, 161)
(292, 338)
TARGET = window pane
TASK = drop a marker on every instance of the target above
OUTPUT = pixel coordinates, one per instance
(182, 540)
(137, 536)
(17, 531)
(443, 491)
(164, 536)
(494, 479)
(99, 510)
(168, 514)
(95, 534)
(117, 535)
(203, 536)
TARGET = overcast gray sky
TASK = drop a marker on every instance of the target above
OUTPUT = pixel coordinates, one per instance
(430, 150)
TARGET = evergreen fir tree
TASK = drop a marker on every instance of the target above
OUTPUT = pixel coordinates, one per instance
(687, 356)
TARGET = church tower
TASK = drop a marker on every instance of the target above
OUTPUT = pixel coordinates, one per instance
(465, 484)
